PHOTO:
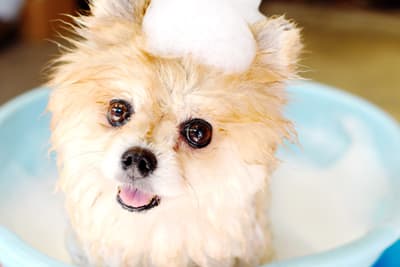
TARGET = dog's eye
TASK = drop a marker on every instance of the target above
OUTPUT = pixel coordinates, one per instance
(119, 112)
(197, 133)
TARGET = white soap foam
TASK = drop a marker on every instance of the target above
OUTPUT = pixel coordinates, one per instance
(315, 209)
(214, 32)
(249, 9)
(30, 208)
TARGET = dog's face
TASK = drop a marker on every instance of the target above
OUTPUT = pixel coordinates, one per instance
(136, 132)
(155, 129)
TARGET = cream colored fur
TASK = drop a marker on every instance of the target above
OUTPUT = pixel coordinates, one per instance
(214, 203)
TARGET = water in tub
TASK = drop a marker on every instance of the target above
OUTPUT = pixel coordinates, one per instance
(34, 211)
(330, 198)
(314, 206)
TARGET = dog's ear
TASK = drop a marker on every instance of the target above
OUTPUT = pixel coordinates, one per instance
(127, 9)
(279, 46)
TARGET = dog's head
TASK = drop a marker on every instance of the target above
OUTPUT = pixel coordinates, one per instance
(137, 131)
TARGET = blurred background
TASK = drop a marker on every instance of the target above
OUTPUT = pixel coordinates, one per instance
(353, 45)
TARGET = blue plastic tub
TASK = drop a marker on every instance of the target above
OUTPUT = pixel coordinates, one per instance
(24, 134)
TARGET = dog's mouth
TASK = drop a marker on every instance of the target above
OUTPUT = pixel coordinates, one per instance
(134, 199)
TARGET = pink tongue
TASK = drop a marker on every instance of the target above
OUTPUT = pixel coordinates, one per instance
(133, 197)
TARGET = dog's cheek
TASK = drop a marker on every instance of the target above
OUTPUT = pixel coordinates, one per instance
(110, 165)
(168, 179)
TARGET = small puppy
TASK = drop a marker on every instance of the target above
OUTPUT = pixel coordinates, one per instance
(166, 161)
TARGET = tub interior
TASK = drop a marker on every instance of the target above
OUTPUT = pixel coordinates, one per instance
(363, 197)
(29, 204)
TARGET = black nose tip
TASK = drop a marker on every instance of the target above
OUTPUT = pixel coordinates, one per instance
(139, 162)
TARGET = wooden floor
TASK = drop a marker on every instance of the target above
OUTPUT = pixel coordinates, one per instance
(21, 67)
(355, 50)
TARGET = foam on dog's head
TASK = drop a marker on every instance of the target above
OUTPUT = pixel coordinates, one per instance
(217, 33)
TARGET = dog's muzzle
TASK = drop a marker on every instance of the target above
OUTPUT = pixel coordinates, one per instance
(138, 163)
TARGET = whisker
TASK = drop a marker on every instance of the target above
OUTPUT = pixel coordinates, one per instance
(190, 186)
(90, 167)
(86, 154)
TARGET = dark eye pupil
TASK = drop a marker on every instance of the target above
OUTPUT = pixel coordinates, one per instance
(119, 112)
(197, 133)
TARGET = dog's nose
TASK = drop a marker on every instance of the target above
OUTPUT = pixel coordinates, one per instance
(139, 162)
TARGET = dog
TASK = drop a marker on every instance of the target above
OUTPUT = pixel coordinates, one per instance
(165, 161)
